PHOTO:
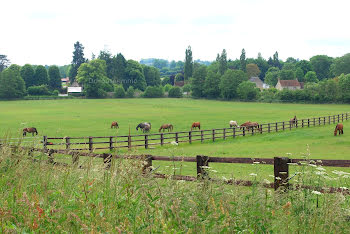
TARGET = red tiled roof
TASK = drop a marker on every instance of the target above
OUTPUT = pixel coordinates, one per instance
(289, 83)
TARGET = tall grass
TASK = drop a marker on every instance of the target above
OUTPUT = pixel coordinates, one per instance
(39, 197)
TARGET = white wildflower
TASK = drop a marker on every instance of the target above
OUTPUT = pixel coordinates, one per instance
(224, 178)
(266, 181)
(312, 165)
(174, 143)
(320, 169)
(320, 172)
(256, 162)
(253, 174)
(344, 188)
(346, 176)
(288, 154)
(278, 178)
(319, 161)
(214, 171)
(316, 192)
(293, 164)
(205, 167)
(272, 176)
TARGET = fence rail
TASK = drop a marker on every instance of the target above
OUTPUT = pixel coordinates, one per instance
(149, 140)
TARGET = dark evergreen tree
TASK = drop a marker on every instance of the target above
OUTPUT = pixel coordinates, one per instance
(188, 68)
(78, 59)
(223, 62)
(243, 61)
(40, 76)
(54, 77)
(27, 73)
(4, 62)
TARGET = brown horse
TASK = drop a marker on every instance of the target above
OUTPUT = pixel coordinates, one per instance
(245, 125)
(338, 128)
(29, 130)
(114, 124)
(196, 125)
(293, 121)
(249, 125)
(166, 126)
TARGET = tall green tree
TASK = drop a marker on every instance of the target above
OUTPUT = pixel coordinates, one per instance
(54, 78)
(223, 62)
(11, 83)
(263, 66)
(120, 66)
(299, 74)
(243, 61)
(304, 65)
(247, 90)
(4, 62)
(152, 75)
(197, 82)
(321, 64)
(134, 76)
(276, 61)
(271, 76)
(311, 77)
(27, 73)
(252, 70)
(287, 75)
(78, 59)
(211, 84)
(341, 65)
(40, 76)
(188, 67)
(344, 86)
(230, 81)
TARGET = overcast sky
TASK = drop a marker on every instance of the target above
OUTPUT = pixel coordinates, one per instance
(44, 31)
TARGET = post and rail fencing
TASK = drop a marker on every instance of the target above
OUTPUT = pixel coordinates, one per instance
(92, 144)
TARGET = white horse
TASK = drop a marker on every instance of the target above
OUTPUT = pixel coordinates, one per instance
(233, 123)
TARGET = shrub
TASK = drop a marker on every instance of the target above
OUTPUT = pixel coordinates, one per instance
(119, 91)
(167, 87)
(38, 90)
(55, 92)
(153, 92)
(130, 92)
(186, 88)
(175, 92)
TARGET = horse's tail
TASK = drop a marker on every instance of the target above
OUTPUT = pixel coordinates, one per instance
(160, 128)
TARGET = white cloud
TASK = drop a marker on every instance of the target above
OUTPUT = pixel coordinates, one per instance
(43, 32)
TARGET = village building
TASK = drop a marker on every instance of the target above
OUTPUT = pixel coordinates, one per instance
(259, 84)
(288, 84)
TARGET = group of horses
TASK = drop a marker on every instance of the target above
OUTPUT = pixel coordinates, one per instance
(146, 126)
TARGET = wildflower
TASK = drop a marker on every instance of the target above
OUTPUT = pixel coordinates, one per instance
(256, 162)
(214, 171)
(272, 176)
(293, 164)
(312, 165)
(174, 143)
(278, 178)
(319, 161)
(287, 205)
(253, 174)
(320, 172)
(320, 169)
(205, 167)
(316, 192)
(266, 181)
(344, 188)
(288, 154)
(224, 178)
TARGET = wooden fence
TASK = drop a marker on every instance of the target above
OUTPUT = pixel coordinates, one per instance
(148, 140)
(281, 167)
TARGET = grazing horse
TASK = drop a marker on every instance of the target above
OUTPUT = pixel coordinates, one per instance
(143, 126)
(196, 125)
(29, 130)
(166, 126)
(338, 128)
(249, 125)
(114, 124)
(245, 125)
(293, 121)
(233, 123)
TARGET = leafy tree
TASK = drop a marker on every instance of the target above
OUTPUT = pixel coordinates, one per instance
(276, 61)
(119, 91)
(304, 65)
(328, 90)
(252, 70)
(179, 77)
(197, 82)
(78, 59)
(110, 63)
(120, 67)
(299, 74)
(160, 63)
(188, 67)
(341, 65)
(287, 95)
(134, 76)
(54, 78)
(153, 92)
(211, 85)
(175, 92)
(27, 73)
(38, 90)
(40, 76)
(321, 64)
(223, 62)
(243, 61)
(287, 75)
(172, 64)
(4, 62)
(229, 83)
(271, 77)
(152, 75)
(94, 78)
(11, 83)
(187, 88)
(167, 87)
(311, 77)
(263, 66)
(130, 92)
(64, 70)
(344, 86)
(247, 90)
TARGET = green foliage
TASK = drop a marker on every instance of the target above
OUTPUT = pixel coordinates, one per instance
(321, 64)
(153, 92)
(120, 67)
(64, 70)
(247, 91)
(119, 91)
(304, 65)
(130, 92)
(175, 92)
(268, 95)
(27, 73)
(197, 82)
(311, 77)
(188, 67)
(78, 59)
(344, 86)
(211, 85)
(55, 92)
(40, 76)
(54, 78)
(187, 88)
(134, 76)
(252, 70)
(299, 74)
(152, 75)
(243, 62)
(223, 62)
(263, 66)
(93, 76)
(287, 95)
(287, 75)
(179, 77)
(11, 83)
(230, 81)
(38, 90)
(271, 77)
(160, 63)
(341, 65)
(167, 87)
(4, 62)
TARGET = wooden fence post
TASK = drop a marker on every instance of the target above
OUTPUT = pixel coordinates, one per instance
(177, 137)
(129, 142)
(283, 125)
(302, 123)
(346, 116)
(319, 120)
(243, 131)
(261, 128)
(333, 118)
(329, 119)
(290, 125)
(338, 119)
(276, 127)
(90, 144)
(213, 134)
(324, 120)
(110, 143)
(308, 123)
(202, 137)
(50, 156)
(161, 139)
(146, 141)
(342, 117)
(107, 160)
(190, 137)
(296, 123)
(224, 134)
(314, 122)
(67, 143)
(281, 172)
(147, 164)
(75, 158)
(45, 143)
(202, 161)
(268, 127)
(234, 132)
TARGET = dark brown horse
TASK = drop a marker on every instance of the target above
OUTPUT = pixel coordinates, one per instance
(166, 126)
(114, 124)
(196, 125)
(339, 128)
(29, 130)
(293, 121)
(249, 125)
